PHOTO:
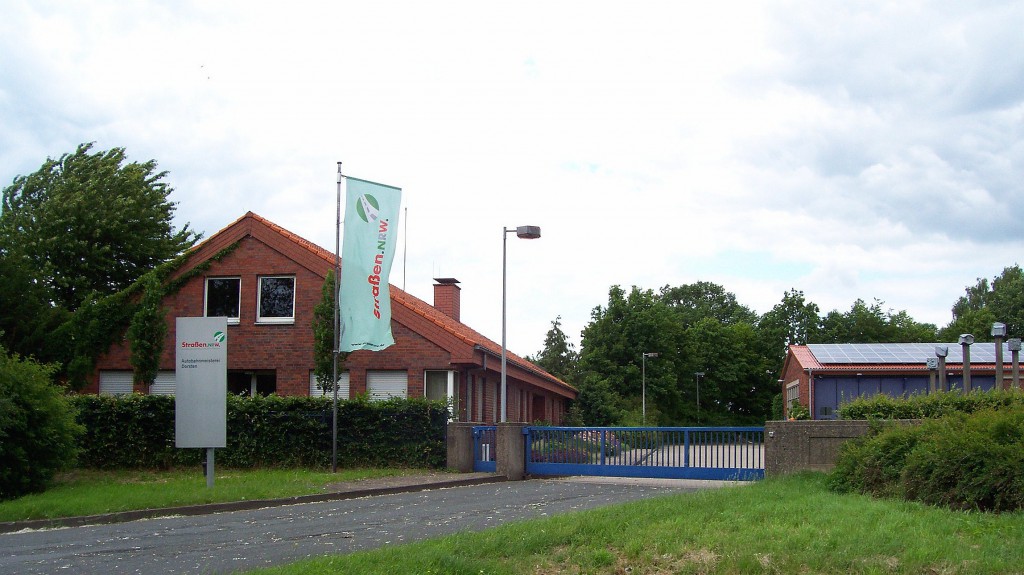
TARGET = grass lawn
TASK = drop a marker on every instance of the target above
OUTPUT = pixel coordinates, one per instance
(785, 525)
(94, 492)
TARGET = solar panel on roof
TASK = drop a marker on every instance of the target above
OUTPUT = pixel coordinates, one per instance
(883, 353)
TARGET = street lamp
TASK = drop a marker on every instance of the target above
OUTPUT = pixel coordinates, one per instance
(526, 233)
(643, 382)
(699, 375)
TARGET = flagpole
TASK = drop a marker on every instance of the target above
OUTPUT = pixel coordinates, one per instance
(336, 343)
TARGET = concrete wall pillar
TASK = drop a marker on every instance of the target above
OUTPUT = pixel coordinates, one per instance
(459, 442)
(510, 456)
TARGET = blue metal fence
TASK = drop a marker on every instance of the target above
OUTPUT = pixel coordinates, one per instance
(732, 453)
(484, 437)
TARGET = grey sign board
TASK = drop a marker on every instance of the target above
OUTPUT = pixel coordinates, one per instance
(201, 382)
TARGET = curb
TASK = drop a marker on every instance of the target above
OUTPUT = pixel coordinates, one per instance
(209, 508)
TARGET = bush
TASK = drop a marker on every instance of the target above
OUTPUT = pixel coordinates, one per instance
(137, 431)
(926, 406)
(873, 464)
(38, 432)
(963, 461)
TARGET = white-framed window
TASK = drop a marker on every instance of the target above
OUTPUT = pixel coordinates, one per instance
(792, 392)
(384, 384)
(116, 382)
(223, 298)
(440, 385)
(275, 301)
(315, 391)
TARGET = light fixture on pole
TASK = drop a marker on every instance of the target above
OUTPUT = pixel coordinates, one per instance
(643, 382)
(526, 233)
(699, 375)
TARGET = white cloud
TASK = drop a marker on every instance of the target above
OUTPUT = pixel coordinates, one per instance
(851, 151)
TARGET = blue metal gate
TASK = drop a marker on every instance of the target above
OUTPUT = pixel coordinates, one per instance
(730, 453)
(483, 448)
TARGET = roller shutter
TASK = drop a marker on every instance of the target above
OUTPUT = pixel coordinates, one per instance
(115, 382)
(315, 391)
(163, 384)
(384, 384)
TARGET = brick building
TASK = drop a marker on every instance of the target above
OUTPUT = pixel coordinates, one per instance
(267, 281)
(822, 377)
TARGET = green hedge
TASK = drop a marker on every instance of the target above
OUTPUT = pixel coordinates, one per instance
(928, 406)
(963, 461)
(137, 431)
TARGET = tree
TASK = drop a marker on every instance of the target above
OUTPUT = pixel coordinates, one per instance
(324, 338)
(793, 321)
(984, 303)
(90, 222)
(27, 320)
(616, 339)
(694, 302)
(559, 357)
(869, 324)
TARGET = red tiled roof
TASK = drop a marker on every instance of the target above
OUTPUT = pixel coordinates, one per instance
(465, 333)
(419, 307)
(318, 251)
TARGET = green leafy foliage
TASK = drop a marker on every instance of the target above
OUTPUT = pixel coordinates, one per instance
(37, 426)
(324, 336)
(147, 331)
(137, 431)
(91, 222)
(559, 357)
(925, 406)
(799, 411)
(962, 461)
(983, 303)
(865, 323)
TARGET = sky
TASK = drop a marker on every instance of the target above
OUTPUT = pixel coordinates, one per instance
(850, 150)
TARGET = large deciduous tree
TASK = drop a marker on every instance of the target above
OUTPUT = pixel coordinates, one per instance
(90, 222)
(985, 303)
(76, 236)
(612, 355)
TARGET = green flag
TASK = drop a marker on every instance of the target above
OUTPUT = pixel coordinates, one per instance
(371, 231)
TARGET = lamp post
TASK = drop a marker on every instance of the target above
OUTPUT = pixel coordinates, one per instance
(699, 375)
(643, 382)
(526, 233)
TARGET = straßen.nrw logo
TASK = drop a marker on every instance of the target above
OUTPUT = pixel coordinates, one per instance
(219, 336)
(368, 208)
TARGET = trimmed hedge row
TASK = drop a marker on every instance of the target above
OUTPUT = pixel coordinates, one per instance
(963, 461)
(928, 406)
(137, 431)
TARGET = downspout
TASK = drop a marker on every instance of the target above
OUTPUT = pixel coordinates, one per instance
(810, 391)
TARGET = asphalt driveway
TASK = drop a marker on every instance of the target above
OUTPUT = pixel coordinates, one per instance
(231, 541)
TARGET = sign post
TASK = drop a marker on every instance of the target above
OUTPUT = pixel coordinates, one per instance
(201, 385)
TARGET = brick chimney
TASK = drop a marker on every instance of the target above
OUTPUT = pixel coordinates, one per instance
(448, 297)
